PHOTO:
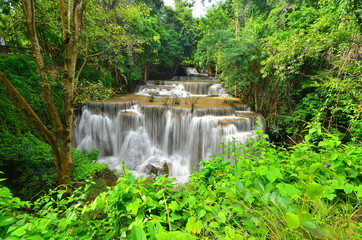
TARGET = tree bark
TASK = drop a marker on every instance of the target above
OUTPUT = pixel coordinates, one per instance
(29, 13)
(60, 139)
(145, 73)
(70, 61)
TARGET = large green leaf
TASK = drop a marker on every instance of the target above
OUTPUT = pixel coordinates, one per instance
(287, 189)
(194, 226)
(137, 233)
(292, 220)
(6, 220)
(314, 190)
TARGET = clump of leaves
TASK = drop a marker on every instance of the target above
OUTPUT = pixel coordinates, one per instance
(176, 101)
(232, 103)
(165, 100)
(28, 164)
(93, 91)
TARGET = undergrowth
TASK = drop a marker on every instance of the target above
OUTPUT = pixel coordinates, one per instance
(28, 165)
(257, 191)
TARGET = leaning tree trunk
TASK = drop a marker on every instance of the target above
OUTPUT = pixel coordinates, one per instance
(46, 134)
(59, 139)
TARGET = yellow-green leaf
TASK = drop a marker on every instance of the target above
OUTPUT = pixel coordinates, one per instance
(194, 226)
(314, 190)
(292, 220)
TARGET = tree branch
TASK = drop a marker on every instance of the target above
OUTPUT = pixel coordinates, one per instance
(27, 109)
(62, 17)
(85, 61)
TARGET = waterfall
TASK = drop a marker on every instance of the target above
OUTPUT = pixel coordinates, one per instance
(158, 139)
(183, 88)
(163, 139)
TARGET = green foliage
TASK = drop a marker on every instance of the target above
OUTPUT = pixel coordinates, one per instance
(93, 91)
(20, 70)
(95, 73)
(12, 29)
(192, 101)
(176, 101)
(296, 62)
(129, 40)
(257, 191)
(85, 164)
(28, 164)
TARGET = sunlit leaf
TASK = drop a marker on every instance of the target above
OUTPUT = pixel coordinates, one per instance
(292, 220)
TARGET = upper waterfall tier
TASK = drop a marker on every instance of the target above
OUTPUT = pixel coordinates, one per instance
(150, 139)
(194, 78)
(200, 87)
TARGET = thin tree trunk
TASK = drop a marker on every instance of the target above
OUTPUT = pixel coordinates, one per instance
(60, 139)
(145, 74)
(70, 60)
(173, 73)
(29, 13)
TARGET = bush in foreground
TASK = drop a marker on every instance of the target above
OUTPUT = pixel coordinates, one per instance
(312, 190)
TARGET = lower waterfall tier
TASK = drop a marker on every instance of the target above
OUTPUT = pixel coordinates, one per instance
(159, 140)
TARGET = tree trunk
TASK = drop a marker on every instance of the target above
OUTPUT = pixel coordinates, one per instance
(60, 139)
(71, 42)
(145, 74)
(174, 71)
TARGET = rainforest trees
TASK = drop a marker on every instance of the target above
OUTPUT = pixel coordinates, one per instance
(59, 134)
(296, 62)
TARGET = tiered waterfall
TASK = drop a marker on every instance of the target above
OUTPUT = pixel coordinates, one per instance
(161, 139)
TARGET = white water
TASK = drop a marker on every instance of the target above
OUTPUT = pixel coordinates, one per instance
(154, 139)
(146, 138)
(182, 89)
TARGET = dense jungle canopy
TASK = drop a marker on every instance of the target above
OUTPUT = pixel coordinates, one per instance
(299, 63)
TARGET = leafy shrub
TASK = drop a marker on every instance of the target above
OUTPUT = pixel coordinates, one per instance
(165, 101)
(85, 164)
(28, 164)
(20, 70)
(95, 74)
(93, 91)
(176, 101)
(260, 191)
(193, 101)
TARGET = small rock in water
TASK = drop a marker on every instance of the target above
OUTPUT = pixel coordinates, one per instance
(164, 170)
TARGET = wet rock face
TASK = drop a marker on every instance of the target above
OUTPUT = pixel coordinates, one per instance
(157, 170)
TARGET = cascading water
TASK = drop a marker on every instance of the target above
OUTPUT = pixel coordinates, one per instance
(183, 88)
(159, 139)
